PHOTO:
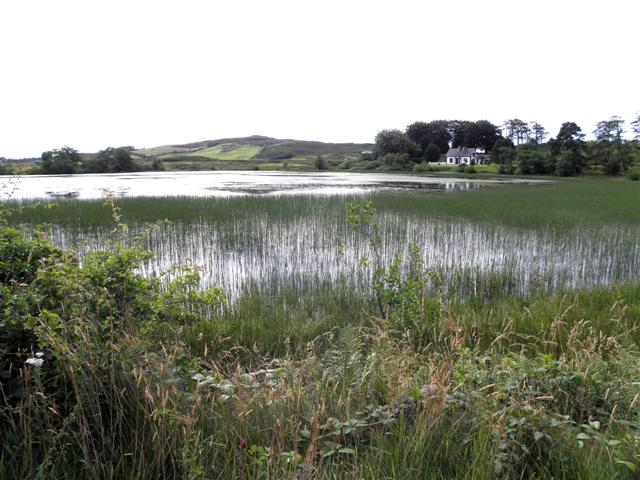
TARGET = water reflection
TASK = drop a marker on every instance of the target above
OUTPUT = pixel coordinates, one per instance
(227, 184)
(301, 252)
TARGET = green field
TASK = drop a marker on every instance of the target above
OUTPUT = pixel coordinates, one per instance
(505, 345)
(228, 152)
(248, 153)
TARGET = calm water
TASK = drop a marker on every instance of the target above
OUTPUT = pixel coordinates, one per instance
(225, 184)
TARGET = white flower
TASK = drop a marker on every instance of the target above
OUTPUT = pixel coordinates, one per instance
(39, 354)
(34, 362)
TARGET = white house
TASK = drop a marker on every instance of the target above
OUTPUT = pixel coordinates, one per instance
(462, 156)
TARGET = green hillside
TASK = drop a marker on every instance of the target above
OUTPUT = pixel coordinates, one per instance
(254, 152)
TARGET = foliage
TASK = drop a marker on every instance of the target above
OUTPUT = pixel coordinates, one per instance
(517, 131)
(320, 163)
(88, 323)
(568, 150)
(426, 133)
(394, 142)
(481, 134)
(635, 127)
(395, 161)
(432, 153)
(539, 132)
(62, 161)
(610, 150)
(609, 130)
(111, 160)
(569, 132)
(504, 154)
(533, 159)
(400, 288)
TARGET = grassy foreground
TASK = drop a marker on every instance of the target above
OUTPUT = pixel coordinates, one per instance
(104, 374)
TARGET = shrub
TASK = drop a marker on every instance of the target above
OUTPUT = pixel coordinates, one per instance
(320, 163)
(395, 161)
(422, 167)
(432, 153)
(70, 340)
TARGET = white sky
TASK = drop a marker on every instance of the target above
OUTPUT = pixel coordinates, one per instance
(94, 74)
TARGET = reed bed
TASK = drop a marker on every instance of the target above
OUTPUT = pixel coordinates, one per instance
(517, 356)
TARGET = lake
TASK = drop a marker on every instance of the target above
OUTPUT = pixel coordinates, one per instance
(287, 232)
(225, 184)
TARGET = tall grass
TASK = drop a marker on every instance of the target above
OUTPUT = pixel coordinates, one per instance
(480, 400)
(300, 377)
(516, 239)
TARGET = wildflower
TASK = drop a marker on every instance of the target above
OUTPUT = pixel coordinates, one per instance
(34, 362)
(244, 443)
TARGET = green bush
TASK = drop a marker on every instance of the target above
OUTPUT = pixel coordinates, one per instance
(422, 167)
(320, 163)
(70, 339)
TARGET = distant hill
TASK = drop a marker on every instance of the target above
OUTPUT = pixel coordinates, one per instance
(255, 147)
(243, 153)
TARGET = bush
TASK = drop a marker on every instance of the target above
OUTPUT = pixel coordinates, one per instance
(395, 161)
(320, 163)
(422, 167)
(5, 168)
(432, 153)
(388, 142)
(157, 165)
(70, 340)
(111, 160)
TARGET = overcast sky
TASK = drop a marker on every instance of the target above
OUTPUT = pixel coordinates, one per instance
(94, 74)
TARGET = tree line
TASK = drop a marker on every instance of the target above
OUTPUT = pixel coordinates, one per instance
(67, 160)
(516, 146)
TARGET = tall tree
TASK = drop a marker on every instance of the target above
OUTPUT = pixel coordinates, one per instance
(610, 150)
(111, 160)
(62, 161)
(609, 130)
(533, 159)
(432, 153)
(538, 132)
(482, 134)
(394, 141)
(615, 157)
(504, 154)
(425, 133)
(635, 127)
(457, 130)
(567, 150)
(569, 131)
(516, 130)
